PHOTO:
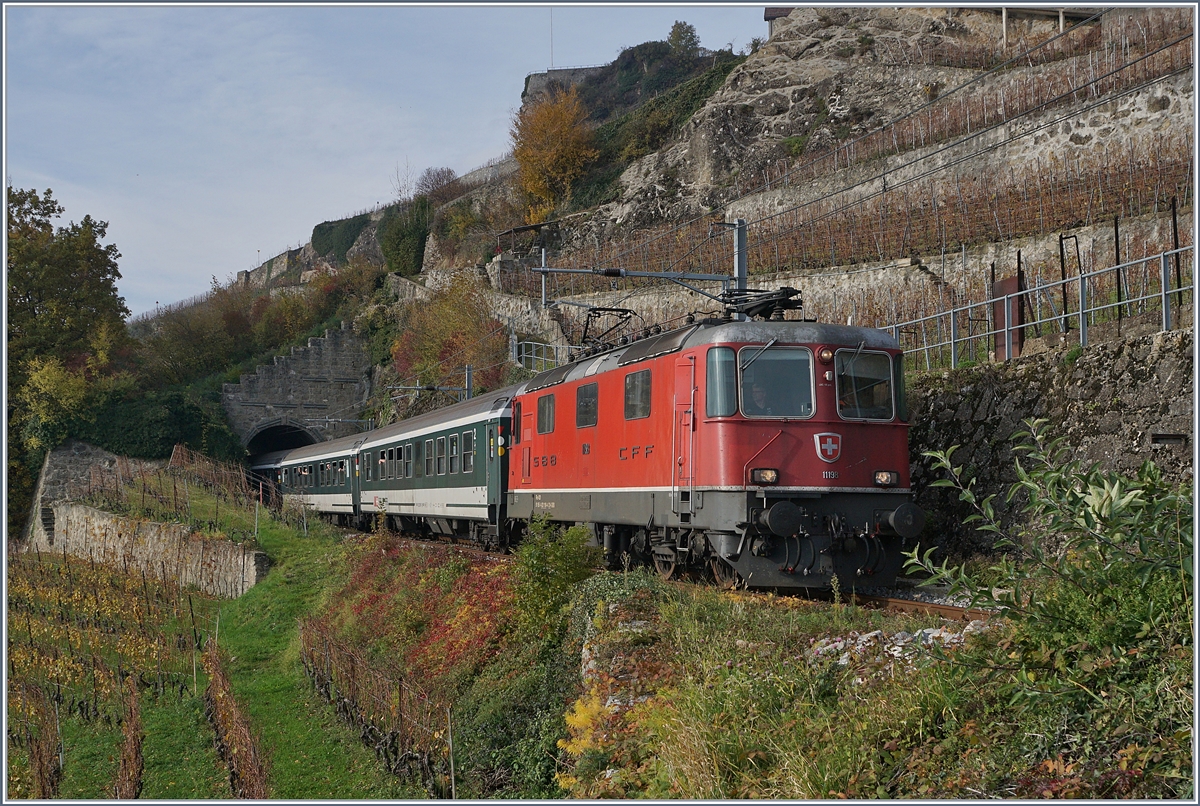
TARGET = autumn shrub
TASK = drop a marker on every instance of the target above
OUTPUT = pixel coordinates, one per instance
(550, 562)
(552, 144)
(439, 336)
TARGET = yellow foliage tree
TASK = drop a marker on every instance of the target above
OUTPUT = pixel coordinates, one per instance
(552, 145)
(51, 396)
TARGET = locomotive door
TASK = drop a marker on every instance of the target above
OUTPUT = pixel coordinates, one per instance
(526, 425)
(682, 437)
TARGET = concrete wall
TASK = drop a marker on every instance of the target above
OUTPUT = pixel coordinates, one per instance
(328, 378)
(168, 551)
(1107, 404)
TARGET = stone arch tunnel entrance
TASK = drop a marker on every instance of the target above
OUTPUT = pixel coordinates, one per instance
(301, 398)
(279, 435)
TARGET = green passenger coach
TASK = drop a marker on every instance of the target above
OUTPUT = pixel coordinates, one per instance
(440, 473)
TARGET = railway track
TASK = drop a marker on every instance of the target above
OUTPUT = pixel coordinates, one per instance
(946, 611)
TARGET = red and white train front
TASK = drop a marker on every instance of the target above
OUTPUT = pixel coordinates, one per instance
(772, 451)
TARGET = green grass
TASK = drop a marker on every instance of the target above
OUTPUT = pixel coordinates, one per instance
(310, 754)
(180, 760)
(91, 754)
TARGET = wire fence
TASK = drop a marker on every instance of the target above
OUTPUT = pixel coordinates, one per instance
(1154, 289)
(407, 729)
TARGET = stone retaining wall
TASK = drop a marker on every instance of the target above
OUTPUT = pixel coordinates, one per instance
(168, 551)
(1108, 402)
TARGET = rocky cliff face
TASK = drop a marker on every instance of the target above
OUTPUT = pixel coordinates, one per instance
(826, 76)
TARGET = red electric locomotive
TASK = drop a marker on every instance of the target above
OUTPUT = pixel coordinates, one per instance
(774, 451)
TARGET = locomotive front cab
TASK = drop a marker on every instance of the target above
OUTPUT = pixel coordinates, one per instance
(805, 438)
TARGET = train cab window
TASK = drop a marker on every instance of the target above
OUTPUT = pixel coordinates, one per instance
(429, 457)
(587, 405)
(453, 453)
(637, 395)
(545, 414)
(864, 385)
(516, 424)
(468, 451)
(720, 390)
(776, 381)
(408, 461)
(441, 456)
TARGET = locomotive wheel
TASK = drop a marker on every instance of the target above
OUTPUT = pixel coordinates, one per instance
(724, 573)
(664, 566)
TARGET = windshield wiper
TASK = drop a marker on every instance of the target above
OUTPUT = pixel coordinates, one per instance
(760, 352)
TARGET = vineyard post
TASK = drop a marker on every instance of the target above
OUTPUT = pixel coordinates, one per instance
(953, 339)
(1166, 300)
(1083, 305)
(449, 748)
(58, 733)
(1117, 268)
(1175, 238)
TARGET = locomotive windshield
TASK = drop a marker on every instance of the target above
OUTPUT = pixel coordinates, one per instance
(776, 381)
(864, 385)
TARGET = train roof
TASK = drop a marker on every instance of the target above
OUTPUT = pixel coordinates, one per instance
(712, 332)
(468, 410)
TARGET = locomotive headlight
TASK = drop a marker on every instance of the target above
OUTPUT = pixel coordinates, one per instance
(886, 478)
(764, 475)
(825, 355)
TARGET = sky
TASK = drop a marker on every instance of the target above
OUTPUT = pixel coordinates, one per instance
(214, 137)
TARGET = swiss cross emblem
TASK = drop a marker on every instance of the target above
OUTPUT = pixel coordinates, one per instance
(829, 446)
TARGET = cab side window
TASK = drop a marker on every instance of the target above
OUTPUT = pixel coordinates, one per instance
(637, 395)
(587, 405)
(545, 414)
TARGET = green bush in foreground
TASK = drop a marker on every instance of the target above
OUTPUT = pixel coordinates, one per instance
(1097, 592)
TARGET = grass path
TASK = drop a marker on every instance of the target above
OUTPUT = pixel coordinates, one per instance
(310, 753)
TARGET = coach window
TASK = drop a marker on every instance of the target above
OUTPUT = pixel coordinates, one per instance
(454, 453)
(637, 395)
(468, 451)
(441, 456)
(429, 457)
(545, 417)
(587, 405)
(408, 461)
(864, 385)
(720, 387)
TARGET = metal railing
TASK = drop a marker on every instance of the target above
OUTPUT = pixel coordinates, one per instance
(988, 330)
(537, 356)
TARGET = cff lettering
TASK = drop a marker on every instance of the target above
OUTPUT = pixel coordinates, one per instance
(635, 451)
